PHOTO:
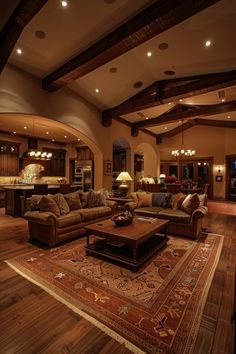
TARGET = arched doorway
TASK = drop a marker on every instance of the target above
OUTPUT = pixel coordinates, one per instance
(19, 126)
(121, 158)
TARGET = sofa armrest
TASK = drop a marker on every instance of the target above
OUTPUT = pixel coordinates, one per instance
(42, 217)
(200, 212)
(111, 204)
(131, 206)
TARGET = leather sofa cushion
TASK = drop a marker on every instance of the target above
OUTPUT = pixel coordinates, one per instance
(69, 219)
(178, 216)
(150, 211)
(94, 213)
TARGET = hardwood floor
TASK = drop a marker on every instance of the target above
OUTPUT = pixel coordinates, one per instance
(34, 322)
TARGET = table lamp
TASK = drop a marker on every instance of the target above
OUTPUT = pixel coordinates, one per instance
(123, 177)
(162, 178)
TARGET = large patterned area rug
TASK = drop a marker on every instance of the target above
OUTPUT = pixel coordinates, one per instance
(155, 310)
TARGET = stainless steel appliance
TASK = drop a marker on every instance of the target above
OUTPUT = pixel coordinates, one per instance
(83, 174)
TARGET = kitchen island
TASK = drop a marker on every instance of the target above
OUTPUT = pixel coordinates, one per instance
(14, 192)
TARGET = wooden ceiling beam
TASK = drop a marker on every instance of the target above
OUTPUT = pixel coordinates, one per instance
(153, 20)
(11, 31)
(190, 113)
(217, 123)
(175, 131)
(167, 91)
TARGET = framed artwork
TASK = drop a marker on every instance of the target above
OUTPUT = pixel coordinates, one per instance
(107, 167)
(219, 178)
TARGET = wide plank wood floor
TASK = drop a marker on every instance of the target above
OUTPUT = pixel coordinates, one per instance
(34, 322)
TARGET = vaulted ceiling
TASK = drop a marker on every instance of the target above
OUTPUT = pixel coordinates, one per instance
(99, 49)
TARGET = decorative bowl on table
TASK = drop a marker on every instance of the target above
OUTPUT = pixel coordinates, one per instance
(122, 219)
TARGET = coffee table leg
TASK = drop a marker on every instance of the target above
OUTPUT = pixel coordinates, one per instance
(135, 254)
(87, 245)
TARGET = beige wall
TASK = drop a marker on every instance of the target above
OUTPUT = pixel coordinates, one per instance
(21, 93)
(207, 141)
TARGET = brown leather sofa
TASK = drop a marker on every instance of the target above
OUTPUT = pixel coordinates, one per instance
(46, 227)
(181, 222)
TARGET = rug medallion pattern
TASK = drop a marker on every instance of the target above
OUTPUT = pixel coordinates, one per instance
(158, 308)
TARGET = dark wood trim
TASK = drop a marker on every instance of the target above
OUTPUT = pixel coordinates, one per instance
(191, 112)
(227, 175)
(150, 22)
(166, 91)
(11, 31)
(217, 123)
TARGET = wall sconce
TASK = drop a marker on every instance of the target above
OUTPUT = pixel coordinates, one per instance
(219, 169)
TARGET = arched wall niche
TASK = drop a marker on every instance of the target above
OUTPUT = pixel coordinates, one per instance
(22, 117)
(151, 160)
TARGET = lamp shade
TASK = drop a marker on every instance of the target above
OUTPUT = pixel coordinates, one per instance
(162, 175)
(124, 176)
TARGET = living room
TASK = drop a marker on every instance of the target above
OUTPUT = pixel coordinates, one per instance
(153, 97)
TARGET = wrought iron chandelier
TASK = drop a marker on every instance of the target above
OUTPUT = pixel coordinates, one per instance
(33, 152)
(182, 151)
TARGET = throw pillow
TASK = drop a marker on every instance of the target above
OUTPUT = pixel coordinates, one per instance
(34, 200)
(47, 203)
(177, 200)
(61, 203)
(95, 199)
(73, 200)
(84, 196)
(144, 199)
(161, 200)
(190, 203)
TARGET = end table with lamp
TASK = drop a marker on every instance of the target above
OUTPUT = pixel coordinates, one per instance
(124, 177)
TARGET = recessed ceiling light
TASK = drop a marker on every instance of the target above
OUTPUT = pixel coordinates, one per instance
(180, 100)
(78, 139)
(53, 139)
(97, 90)
(113, 70)
(14, 132)
(208, 43)
(223, 100)
(138, 84)
(40, 34)
(147, 117)
(47, 133)
(109, 1)
(64, 3)
(19, 51)
(169, 103)
(163, 46)
(25, 127)
(228, 117)
(169, 72)
(65, 136)
(149, 54)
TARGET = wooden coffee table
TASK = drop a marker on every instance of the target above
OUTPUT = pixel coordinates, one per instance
(129, 245)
